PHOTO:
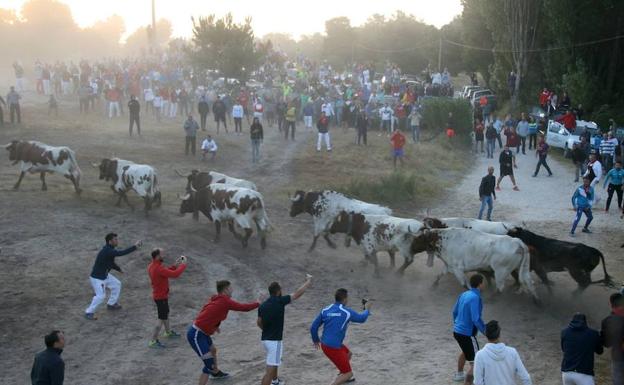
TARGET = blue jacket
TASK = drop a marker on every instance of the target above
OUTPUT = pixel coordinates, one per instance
(105, 261)
(467, 313)
(582, 199)
(616, 176)
(335, 320)
(579, 343)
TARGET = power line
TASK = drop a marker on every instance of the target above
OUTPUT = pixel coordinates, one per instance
(399, 50)
(494, 50)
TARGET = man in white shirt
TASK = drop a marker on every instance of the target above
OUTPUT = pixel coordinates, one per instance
(209, 146)
(237, 114)
(386, 119)
(498, 364)
(148, 95)
(328, 109)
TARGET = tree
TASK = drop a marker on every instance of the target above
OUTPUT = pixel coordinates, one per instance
(339, 40)
(224, 45)
(139, 40)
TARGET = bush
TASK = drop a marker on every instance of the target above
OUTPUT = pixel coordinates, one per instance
(395, 187)
(436, 110)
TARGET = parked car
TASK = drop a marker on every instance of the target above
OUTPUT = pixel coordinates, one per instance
(476, 96)
(466, 90)
(560, 137)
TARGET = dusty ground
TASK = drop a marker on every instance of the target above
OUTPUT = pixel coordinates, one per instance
(49, 241)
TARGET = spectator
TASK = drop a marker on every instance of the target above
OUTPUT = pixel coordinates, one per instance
(398, 142)
(308, 112)
(498, 126)
(578, 158)
(543, 99)
(612, 336)
(386, 119)
(218, 110)
(203, 108)
(487, 195)
(322, 126)
(513, 140)
(450, 126)
(190, 131)
(490, 137)
(579, 343)
(159, 277)
(134, 109)
(498, 364)
(49, 368)
(148, 96)
(579, 112)
(542, 152)
(532, 133)
(594, 169)
(361, 125)
(237, 114)
(2, 103)
(479, 135)
(114, 97)
(568, 120)
(565, 102)
(507, 162)
(83, 97)
(607, 150)
(52, 105)
(616, 178)
(290, 118)
(208, 146)
(256, 134)
(522, 129)
(12, 100)
(582, 201)
(158, 103)
(414, 118)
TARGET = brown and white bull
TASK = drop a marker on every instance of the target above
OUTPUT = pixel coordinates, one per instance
(324, 206)
(37, 157)
(232, 205)
(126, 176)
(379, 233)
(464, 250)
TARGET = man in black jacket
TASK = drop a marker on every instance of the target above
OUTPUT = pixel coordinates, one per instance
(579, 343)
(134, 107)
(49, 368)
(101, 279)
(487, 193)
(612, 335)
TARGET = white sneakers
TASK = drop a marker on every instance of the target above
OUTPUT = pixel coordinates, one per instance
(459, 377)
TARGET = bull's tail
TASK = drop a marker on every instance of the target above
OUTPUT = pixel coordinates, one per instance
(75, 169)
(524, 271)
(262, 217)
(153, 187)
(608, 281)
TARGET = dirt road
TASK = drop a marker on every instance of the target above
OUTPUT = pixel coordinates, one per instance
(49, 240)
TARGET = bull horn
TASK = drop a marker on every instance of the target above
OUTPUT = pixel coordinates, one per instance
(185, 197)
(179, 173)
(192, 189)
(7, 145)
(95, 165)
(506, 228)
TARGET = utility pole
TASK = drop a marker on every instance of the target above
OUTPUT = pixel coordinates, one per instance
(440, 55)
(153, 42)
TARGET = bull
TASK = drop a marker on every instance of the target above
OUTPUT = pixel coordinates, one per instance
(38, 157)
(126, 176)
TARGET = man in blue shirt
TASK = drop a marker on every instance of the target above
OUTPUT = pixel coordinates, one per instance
(582, 201)
(335, 320)
(466, 323)
(101, 279)
(271, 321)
(616, 178)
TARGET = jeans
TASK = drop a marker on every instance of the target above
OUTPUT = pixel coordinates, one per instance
(617, 188)
(532, 141)
(579, 170)
(190, 142)
(415, 133)
(202, 120)
(238, 124)
(289, 125)
(607, 162)
(255, 150)
(361, 136)
(476, 145)
(491, 144)
(617, 371)
(486, 200)
(500, 141)
(542, 161)
(14, 109)
(579, 213)
(523, 144)
(135, 119)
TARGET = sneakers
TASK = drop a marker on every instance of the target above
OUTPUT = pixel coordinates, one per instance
(534, 175)
(114, 307)
(155, 344)
(90, 316)
(219, 375)
(549, 175)
(171, 334)
(515, 188)
(278, 382)
(459, 377)
(572, 235)
(586, 230)
(350, 380)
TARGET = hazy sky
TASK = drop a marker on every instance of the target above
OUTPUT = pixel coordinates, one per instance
(295, 16)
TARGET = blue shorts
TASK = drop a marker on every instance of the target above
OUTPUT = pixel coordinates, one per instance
(398, 152)
(201, 344)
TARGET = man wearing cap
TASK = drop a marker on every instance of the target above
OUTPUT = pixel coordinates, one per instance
(498, 364)
(579, 343)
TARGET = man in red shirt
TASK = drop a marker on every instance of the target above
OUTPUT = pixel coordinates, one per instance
(398, 141)
(207, 323)
(543, 99)
(568, 120)
(159, 276)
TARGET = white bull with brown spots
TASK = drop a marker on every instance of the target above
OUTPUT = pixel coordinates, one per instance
(126, 176)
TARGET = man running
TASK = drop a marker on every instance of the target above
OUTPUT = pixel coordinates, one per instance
(467, 322)
(582, 201)
(159, 277)
(207, 323)
(335, 320)
(616, 176)
(487, 193)
(271, 322)
(541, 152)
(101, 279)
(507, 161)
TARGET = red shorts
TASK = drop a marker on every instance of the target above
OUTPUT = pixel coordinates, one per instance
(339, 357)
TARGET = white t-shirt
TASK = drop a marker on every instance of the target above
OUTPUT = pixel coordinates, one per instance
(237, 111)
(209, 145)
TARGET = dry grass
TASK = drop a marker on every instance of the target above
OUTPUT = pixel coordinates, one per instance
(366, 172)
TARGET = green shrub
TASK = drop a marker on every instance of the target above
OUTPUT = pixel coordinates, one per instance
(395, 187)
(436, 110)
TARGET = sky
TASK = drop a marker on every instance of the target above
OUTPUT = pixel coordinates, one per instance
(294, 17)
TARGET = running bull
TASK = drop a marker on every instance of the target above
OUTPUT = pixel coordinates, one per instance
(39, 157)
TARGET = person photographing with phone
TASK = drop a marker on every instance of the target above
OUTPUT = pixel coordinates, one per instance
(101, 278)
(159, 277)
(335, 320)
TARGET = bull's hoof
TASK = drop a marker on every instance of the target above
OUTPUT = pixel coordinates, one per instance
(263, 243)
(78, 191)
(44, 188)
(16, 187)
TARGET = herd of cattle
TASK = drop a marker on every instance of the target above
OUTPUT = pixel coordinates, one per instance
(497, 249)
